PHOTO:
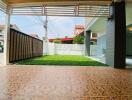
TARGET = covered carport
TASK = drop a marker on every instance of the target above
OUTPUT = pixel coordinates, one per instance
(21, 82)
(114, 10)
(48, 8)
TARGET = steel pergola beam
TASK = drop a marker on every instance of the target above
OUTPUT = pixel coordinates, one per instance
(63, 10)
(3, 6)
(74, 8)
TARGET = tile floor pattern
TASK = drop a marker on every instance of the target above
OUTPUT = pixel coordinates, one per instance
(64, 83)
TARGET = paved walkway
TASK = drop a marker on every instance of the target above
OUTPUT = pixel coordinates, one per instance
(129, 61)
(64, 83)
(99, 58)
(102, 59)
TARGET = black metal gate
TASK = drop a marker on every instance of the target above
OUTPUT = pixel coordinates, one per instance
(23, 46)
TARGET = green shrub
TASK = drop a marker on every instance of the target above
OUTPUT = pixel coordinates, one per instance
(78, 40)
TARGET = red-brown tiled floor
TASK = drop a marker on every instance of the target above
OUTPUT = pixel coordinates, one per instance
(64, 83)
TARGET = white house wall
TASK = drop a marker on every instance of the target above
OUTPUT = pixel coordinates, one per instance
(129, 44)
(129, 14)
(101, 45)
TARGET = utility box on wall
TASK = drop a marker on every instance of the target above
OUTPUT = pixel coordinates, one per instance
(129, 43)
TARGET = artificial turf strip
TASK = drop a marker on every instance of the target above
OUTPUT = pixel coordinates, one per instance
(61, 60)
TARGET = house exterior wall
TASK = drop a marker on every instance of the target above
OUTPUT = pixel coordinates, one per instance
(101, 45)
(129, 44)
(128, 14)
(93, 50)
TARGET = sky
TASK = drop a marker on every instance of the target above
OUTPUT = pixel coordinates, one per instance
(58, 27)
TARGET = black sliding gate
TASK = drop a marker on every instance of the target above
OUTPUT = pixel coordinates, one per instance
(23, 46)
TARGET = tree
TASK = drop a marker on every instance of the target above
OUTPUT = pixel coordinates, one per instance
(78, 40)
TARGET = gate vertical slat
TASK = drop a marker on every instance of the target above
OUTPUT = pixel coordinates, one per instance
(18, 46)
(22, 47)
(25, 47)
(20, 53)
(11, 47)
(14, 46)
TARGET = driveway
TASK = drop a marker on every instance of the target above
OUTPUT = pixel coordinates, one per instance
(20, 82)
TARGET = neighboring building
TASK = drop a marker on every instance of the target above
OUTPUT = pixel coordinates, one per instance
(65, 40)
(35, 35)
(93, 37)
(13, 27)
(1, 39)
(78, 29)
(2, 32)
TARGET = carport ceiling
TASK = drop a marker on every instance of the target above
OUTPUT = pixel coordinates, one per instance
(97, 2)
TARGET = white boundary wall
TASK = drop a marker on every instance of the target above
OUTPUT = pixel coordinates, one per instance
(67, 49)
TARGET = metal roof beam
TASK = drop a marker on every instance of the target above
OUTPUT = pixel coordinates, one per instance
(69, 10)
(3, 6)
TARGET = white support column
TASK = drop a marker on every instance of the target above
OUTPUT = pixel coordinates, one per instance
(45, 40)
(7, 38)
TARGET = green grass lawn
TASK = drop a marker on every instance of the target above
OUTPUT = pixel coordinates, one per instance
(61, 60)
